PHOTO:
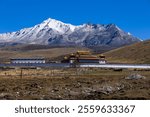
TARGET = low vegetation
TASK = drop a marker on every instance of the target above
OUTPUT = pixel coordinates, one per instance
(136, 53)
(74, 83)
(48, 53)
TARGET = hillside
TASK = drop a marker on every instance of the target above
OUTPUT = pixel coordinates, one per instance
(30, 51)
(136, 53)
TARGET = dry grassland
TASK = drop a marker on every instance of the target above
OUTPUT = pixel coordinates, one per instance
(51, 53)
(73, 83)
(136, 53)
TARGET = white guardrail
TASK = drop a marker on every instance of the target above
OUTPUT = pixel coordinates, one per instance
(116, 66)
(140, 66)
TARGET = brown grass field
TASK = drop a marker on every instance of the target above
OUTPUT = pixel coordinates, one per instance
(48, 53)
(136, 53)
(73, 83)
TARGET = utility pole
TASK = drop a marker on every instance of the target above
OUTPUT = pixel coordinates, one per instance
(21, 75)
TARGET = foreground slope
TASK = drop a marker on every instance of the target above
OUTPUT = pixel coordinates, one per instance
(136, 53)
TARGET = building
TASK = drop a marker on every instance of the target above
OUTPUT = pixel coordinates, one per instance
(84, 57)
(27, 60)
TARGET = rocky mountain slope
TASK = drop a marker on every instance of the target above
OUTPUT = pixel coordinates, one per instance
(54, 32)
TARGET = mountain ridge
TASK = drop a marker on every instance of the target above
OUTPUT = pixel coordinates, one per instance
(54, 32)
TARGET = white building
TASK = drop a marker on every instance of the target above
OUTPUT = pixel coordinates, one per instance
(27, 60)
(102, 61)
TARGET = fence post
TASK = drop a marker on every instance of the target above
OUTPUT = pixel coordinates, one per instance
(21, 75)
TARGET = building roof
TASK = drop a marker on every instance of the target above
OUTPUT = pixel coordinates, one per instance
(83, 52)
(89, 58)
(27, 59)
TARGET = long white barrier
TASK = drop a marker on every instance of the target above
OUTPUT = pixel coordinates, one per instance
(75, 108)
(117, 66)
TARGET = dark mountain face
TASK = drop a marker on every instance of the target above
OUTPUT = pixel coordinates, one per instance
(53, 32)
(99, 35)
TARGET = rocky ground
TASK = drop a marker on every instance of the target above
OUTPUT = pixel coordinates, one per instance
(48, 84)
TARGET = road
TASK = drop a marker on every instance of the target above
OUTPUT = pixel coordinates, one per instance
(66, 65)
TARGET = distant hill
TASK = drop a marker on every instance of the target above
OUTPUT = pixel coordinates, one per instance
(136, 53)
(30, 47)
(30, 51)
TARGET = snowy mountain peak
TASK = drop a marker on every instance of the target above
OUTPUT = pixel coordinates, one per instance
(58, 25)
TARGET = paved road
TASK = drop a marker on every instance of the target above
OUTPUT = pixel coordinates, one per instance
(65, 65)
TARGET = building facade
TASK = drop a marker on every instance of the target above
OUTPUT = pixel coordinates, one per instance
(84, 57)
(27, 60)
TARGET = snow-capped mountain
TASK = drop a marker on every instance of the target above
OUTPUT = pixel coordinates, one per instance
(54, 32)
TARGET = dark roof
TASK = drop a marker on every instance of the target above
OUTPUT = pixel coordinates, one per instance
(89, 58)
(27, 59)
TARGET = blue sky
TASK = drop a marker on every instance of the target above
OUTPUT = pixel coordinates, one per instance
(130, 15)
